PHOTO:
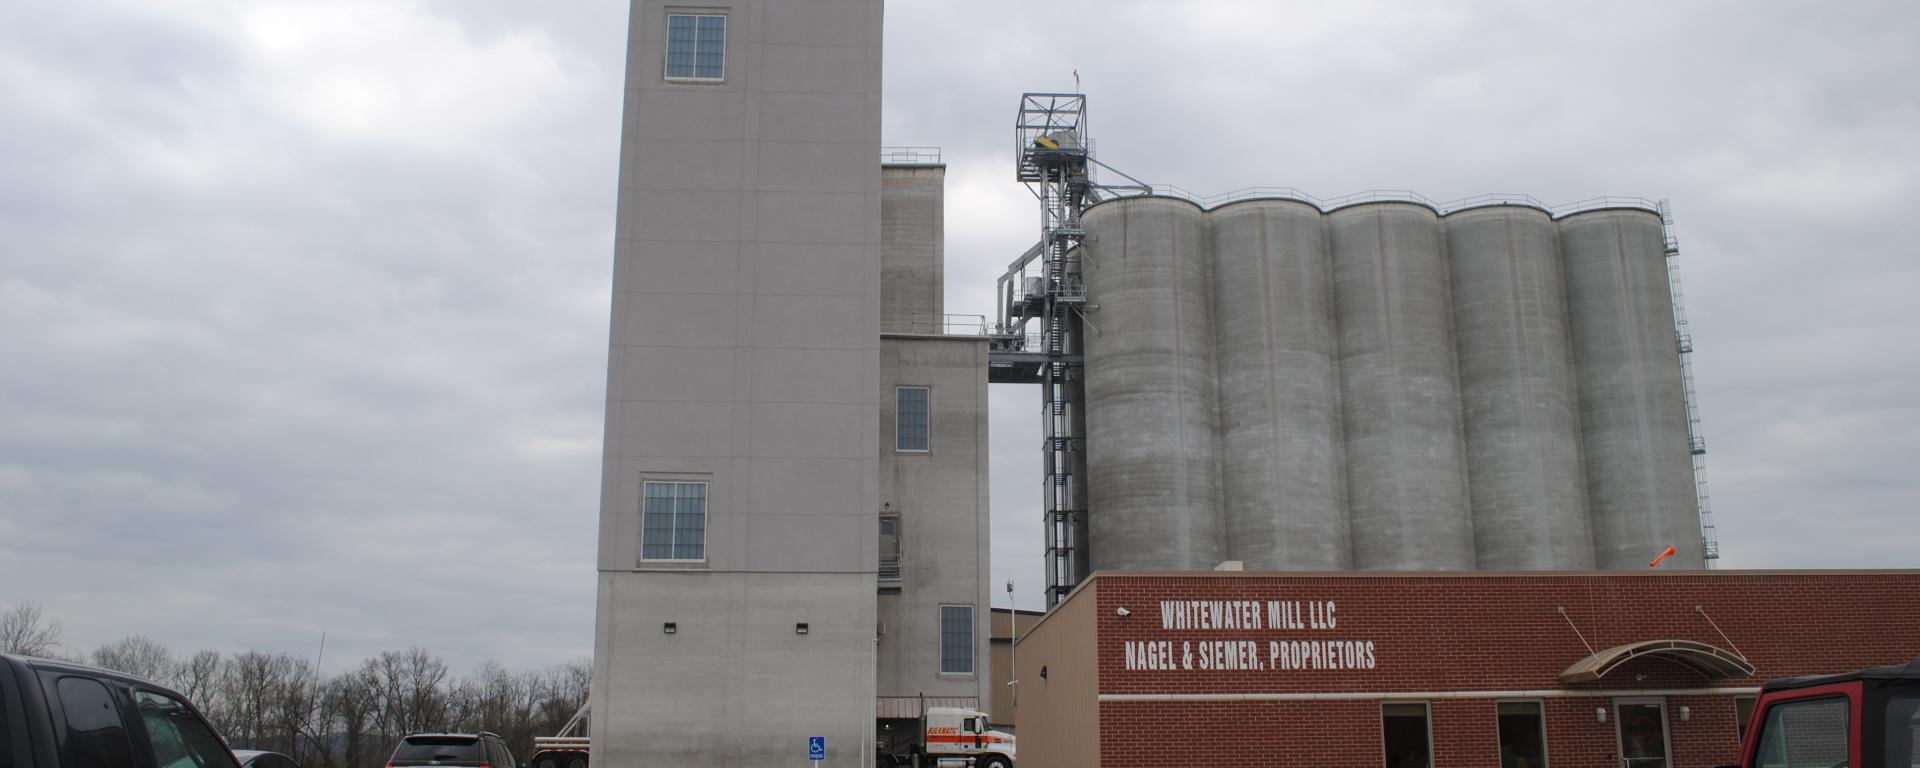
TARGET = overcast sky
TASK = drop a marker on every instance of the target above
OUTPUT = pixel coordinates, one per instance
(303, 306)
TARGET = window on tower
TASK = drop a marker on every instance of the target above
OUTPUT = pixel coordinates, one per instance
(956, 639)
(910, 419)
(673, 521)
(696, 47)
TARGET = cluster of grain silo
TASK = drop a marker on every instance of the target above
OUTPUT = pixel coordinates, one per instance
(1382, 387)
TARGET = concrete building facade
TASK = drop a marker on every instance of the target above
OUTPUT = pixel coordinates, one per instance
(737, 567)
(933, 598)
(794, 531)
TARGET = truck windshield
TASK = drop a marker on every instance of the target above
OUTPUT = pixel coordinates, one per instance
(1903, 732)
(1810, 733)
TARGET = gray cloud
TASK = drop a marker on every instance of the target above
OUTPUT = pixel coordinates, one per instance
(304, 307)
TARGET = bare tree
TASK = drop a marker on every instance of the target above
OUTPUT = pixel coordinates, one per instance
(198, 676)
(352, 696)
(136, 655)
(25, 632)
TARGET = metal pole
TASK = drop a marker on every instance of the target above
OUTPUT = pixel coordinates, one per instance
(1013, 641)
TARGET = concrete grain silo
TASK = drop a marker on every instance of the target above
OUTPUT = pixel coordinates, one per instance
(1283, 454)
(1383, 383)
(1633, 412)
(1151, 416)
(1518, 393)
(1406, 478)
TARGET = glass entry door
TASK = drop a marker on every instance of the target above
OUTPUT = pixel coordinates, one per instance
(1643, 732)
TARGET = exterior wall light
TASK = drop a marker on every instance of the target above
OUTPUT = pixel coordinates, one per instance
(1123, 611)
(1599, 714)
(1686, 713)
(800, 628)
(669, 628)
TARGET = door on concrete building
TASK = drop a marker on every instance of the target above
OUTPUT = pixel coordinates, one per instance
(1642, 725)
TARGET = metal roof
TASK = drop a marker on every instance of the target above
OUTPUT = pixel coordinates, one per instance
(1714, 663)
(908, 707)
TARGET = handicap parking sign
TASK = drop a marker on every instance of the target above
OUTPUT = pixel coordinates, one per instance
(816, 747)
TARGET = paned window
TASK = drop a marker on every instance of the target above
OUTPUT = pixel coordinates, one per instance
(673, 521)
(910, 431)
(1523, 735)
(1404, 728)
(696, 46)
(956, 639)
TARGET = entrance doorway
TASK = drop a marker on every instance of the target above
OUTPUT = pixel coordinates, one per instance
(1642, 726)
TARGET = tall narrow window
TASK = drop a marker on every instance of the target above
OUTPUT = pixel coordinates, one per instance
(1523, 735)
(910, 419)
(956, 639)
(1404, 727)
(673, 521)
(696, 46)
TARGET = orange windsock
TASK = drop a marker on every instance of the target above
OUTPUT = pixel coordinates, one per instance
(1664, 554)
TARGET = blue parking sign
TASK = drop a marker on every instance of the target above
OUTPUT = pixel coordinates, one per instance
(816, 747)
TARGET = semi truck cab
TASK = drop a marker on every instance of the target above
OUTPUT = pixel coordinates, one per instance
(1864, 719)
(954, 736)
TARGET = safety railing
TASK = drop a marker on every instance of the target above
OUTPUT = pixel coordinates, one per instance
(910, 155)
(1404, 196)
(944, 325)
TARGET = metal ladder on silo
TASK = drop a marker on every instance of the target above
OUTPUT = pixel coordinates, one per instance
(1683, 342)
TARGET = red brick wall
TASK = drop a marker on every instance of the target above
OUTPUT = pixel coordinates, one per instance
(1481, 633)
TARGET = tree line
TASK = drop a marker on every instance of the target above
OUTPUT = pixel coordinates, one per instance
(352, 719)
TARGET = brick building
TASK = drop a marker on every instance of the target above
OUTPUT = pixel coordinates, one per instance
(1395, 670)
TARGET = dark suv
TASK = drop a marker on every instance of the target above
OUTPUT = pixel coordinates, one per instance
(59, 715)
(468, 750)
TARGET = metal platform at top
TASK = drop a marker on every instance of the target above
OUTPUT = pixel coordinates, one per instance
(1050, 132)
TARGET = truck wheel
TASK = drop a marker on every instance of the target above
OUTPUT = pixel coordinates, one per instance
(546, 761)
(995, 761)
(578, 761)
(886, 761)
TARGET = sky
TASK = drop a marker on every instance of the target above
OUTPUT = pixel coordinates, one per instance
(304, 306)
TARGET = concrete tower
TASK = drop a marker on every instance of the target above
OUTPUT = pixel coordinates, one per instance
(739, 507)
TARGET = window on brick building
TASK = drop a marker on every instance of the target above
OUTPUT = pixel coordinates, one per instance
(1523, 735)
(1743, 714)
(1407, 741)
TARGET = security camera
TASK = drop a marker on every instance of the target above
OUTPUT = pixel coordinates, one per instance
(1123, 611)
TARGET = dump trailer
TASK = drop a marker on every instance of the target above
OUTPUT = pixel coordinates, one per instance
(563, 750)
(1864, 719)
(952, 737)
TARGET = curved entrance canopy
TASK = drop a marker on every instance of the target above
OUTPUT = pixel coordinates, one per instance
(1714, 663)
